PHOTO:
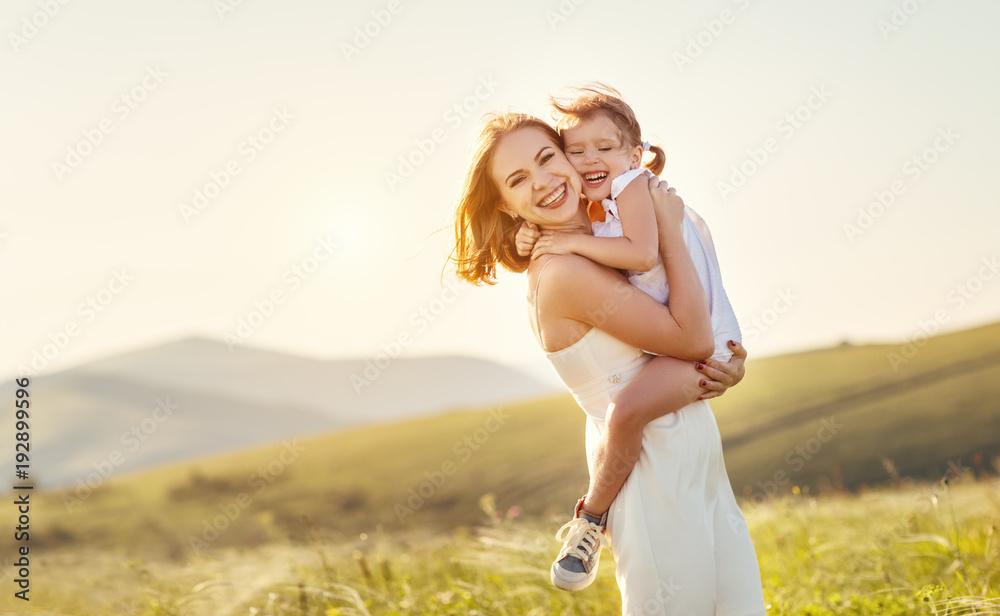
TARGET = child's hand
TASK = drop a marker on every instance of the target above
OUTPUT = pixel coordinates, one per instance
(553, 243)
(526, 237)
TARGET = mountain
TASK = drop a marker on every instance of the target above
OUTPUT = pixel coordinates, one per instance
(193, 397)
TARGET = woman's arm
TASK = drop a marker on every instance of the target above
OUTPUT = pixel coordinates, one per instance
(635, 250)
(688, 303)
(581, 290)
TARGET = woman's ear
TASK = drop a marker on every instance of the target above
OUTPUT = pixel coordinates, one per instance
(506, 210)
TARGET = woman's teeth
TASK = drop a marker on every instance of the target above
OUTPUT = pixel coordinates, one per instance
(593, 179)
(554, 196)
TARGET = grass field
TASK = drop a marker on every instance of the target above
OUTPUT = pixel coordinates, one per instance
(276, 529)
(928, 549)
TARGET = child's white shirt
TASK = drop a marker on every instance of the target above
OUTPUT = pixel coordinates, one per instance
(699, 243)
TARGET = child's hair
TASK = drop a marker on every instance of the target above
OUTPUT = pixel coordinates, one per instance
(590, 99)
(484, 234)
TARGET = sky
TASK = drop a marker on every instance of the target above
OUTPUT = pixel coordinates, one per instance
(284, 175)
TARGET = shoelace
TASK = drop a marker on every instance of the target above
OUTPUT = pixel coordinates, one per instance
(581, 539)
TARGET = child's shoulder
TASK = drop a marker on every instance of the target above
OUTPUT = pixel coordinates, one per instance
(619, 184)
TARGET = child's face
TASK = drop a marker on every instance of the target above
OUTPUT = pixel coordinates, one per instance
(595, 149)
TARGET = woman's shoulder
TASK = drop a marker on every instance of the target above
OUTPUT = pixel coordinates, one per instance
(566, 276)
(560, 267)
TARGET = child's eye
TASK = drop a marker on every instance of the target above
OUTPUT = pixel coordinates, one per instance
(604, 149)
(574, 152)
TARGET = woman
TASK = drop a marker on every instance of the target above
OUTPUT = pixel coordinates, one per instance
(677, 535)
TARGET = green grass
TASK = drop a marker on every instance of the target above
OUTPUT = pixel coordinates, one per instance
(928, 549)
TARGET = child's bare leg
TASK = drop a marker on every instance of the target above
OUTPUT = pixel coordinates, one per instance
(664, 385)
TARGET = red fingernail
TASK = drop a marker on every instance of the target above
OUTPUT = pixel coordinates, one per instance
(703, 383)
(699, 397)
(731, 343)
(700, 366)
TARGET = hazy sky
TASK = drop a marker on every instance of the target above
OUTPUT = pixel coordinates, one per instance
(289, 118)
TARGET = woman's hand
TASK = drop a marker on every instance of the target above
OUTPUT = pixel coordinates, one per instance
(526, 237)
(668, 206)
(720, 376)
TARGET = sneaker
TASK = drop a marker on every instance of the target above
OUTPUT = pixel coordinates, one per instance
(576, 566)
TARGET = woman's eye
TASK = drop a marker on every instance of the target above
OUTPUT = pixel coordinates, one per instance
(516, 181)
(547, 157)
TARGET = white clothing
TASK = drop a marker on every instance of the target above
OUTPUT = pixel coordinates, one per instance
(677, 535)
(699, 243)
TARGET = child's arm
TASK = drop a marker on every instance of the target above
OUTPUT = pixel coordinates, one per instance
(636, 250)
(598, 296)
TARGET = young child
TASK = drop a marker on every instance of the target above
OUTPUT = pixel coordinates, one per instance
(602, 140)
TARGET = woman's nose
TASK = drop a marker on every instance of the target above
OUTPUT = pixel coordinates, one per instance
(542, 180)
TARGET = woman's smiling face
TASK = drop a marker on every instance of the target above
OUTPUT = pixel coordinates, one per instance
(535, 179)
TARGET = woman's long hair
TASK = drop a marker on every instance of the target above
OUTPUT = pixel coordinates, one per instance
(484, 234)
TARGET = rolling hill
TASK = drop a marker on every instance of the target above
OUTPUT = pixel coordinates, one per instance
(192, 398)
